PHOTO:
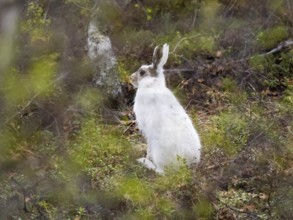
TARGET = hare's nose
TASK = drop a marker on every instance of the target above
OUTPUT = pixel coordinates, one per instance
(131, 77)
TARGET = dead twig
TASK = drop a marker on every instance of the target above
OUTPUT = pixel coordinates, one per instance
(233, 208)
(182, 39)
(128, 127)
(23, 192)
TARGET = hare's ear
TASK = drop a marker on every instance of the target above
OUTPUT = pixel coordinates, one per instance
(160, 57)
(157, 56)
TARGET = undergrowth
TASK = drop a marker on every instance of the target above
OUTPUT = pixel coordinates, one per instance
(67, 152)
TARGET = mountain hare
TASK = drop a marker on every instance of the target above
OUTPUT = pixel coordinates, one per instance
(163, 121)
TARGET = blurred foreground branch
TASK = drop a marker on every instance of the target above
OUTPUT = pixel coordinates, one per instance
(9, 16)
(34, 97)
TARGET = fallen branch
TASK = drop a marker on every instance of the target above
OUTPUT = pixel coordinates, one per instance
(281, 47)
(178, 70)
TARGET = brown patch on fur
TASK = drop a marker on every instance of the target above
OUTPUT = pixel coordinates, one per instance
(153, 71)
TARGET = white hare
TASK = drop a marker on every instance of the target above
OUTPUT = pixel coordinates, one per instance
(163, 121)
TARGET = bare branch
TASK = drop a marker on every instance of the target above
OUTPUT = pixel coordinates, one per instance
(80, 6)
(178, 70)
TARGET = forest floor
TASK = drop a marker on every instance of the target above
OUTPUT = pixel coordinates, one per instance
(65, 154)
(245, 171)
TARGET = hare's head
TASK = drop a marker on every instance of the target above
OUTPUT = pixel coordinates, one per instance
(155, 69)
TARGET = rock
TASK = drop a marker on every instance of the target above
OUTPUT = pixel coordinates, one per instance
(101, 54)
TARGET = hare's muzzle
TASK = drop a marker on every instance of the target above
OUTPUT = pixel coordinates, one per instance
(133, 79)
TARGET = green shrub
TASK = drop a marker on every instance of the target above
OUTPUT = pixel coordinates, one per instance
(203, 209)
(229, 132)
(277, 70)
(271, 37)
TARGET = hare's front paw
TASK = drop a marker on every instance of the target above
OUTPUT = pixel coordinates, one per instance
(149, 164)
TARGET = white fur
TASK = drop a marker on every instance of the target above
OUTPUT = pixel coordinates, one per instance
(163, 121)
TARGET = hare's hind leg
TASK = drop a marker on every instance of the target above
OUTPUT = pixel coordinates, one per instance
(149, 164)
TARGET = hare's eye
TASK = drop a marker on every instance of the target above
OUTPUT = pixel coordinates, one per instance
(142, 73)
